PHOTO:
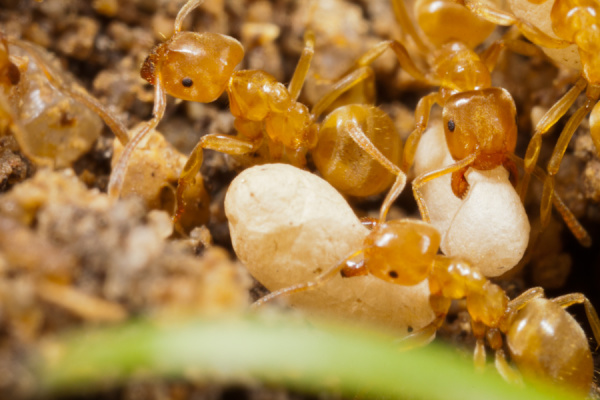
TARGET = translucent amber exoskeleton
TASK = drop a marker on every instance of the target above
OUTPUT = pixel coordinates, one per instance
(574, 22)
(544, 341)
(479, 119)
(201, 66)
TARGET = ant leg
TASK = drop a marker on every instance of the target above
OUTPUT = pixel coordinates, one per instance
(479, 355)
(521, 300)
(340, 87)
(303, 65)
(357, 134)
(406, 23)
(490, 55)
(558, 153)
(518, 303)
(421, 120)
(572, 223)
(504, 18)
(392, 195)
(548, 120)
(578, 298)
(359, 137)
(508, 373)
(494, 338)
(117, 176)
(428, 176)
(73, 90)
(318, 281)
(222, 143)
(401, 54)
(440, 306)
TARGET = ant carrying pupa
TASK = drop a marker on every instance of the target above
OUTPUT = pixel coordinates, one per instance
(479, 120)
(404, 253)
(565, 23)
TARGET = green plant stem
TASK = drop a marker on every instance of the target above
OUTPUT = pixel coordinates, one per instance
(279, 352)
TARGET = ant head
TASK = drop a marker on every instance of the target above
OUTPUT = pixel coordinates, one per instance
(481, 121)
(402, 251)
(444, 21)
(193, 66)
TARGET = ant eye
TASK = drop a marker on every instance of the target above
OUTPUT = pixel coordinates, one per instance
(393, 274)
(451, 125)
(187, 82)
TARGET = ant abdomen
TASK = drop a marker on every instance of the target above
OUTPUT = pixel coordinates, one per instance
(545, 341)
(345, 164)
(193, 66)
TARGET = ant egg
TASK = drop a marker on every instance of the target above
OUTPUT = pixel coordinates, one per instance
(489, 227)
(288, 225)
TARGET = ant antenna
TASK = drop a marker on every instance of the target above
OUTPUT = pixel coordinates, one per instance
(185, 10)
(310, 285)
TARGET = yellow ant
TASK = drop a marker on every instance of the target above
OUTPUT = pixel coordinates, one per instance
(200, 67)
(479, 120)
(405, 252)
(574, 22)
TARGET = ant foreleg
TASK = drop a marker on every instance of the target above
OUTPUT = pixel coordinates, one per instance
(422, 113)
(428, 176)
(222, 143)
(117, 176)
(440, 306)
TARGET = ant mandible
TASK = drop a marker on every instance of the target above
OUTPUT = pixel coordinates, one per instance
(574, 22)
(200, 66)
(404, 252)
(479, 119)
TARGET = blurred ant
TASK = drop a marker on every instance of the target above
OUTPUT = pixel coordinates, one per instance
(574, 22)
(405, 252)
(200, 67)
(10, 76)
(479, 120)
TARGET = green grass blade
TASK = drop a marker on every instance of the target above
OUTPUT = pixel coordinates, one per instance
(301, 357)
